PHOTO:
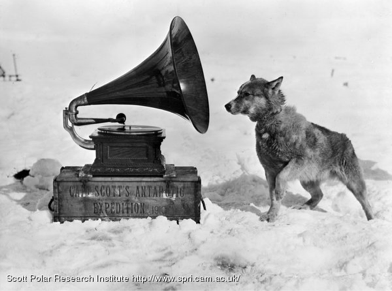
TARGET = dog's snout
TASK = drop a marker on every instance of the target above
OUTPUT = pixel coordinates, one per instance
(228, 106)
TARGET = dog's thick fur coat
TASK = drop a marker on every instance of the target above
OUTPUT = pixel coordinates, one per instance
(289, 147)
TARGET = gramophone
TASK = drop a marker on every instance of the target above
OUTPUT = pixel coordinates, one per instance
(129, 176)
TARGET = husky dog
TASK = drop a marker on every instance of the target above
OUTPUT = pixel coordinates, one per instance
(289, 147)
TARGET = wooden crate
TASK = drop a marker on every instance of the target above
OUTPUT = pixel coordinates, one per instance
(78, 197)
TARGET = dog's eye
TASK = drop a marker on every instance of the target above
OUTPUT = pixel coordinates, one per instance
(246, 94)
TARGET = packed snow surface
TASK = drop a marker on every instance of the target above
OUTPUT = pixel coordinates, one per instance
(333, 249)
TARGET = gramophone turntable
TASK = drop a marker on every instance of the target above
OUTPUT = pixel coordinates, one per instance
(129, 176)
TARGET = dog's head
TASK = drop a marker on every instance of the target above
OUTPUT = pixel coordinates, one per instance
(257, 97)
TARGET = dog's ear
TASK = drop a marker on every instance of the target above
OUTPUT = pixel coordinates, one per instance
(275, 84)
(253, 77)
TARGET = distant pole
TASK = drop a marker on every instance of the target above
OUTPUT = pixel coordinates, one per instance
(16, 71)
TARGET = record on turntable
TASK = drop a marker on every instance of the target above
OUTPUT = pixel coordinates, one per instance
(130, 129)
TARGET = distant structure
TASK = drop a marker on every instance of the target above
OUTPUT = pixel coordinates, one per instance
(2, 73)
(14, 77)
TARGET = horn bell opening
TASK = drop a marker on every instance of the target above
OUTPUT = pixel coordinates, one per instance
(190, 74)
(170, 79)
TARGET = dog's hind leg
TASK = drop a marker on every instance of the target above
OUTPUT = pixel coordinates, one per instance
(277, 179)
(350, 174)
(357, 186)
(313, 187)
(288, 173)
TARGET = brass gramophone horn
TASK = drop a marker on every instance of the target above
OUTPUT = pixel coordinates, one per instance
(170, 79)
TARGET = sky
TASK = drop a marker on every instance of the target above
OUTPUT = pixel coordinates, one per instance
(66, 48)
(87, 36)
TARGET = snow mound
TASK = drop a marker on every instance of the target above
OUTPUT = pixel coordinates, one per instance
(46, 168)
(42, 174)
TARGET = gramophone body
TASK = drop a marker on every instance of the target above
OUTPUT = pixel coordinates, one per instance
(129, 176)
(119, 153)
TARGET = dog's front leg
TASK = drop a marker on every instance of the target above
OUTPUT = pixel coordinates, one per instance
(272, 213)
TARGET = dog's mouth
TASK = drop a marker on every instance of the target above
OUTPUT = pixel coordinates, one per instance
(235, 110)
(232, 108)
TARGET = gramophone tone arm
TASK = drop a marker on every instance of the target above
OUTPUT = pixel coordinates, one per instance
(70, 114)
(72, 111)
(82, 101)
(84, 143)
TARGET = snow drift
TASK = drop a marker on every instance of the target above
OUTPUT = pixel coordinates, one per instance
(330, 249)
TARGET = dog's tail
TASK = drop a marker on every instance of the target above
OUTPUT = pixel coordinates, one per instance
(349, 168)
(352, 176)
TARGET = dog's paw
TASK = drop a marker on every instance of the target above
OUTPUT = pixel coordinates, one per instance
(269, 217)
(264, 216)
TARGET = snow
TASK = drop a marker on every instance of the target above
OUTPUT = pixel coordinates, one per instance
(331, 248)
(42, 174)
(303, 250)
